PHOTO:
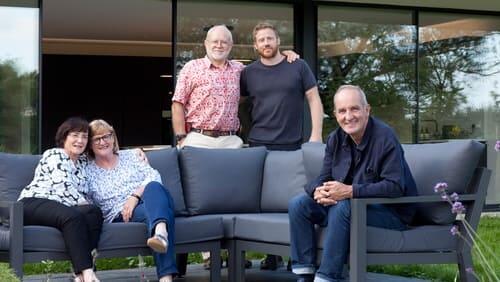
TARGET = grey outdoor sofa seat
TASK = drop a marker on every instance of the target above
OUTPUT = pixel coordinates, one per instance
(237, 199)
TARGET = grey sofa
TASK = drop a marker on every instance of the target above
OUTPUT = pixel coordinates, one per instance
(238, 200)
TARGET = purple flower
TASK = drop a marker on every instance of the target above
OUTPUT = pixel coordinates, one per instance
(440, 187)
(454, 197)
(469, 270)
(444, 196)
(457, 208)
(454, 230)
(497, 146)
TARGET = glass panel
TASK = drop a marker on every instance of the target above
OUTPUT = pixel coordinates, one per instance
(459, 82)
(374, 49)
(19, 71)
(196, 17)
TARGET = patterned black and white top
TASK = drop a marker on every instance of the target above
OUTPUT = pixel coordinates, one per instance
(110, 188)
(58, 178)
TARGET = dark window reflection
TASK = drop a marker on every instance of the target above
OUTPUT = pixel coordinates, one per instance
(374, 49)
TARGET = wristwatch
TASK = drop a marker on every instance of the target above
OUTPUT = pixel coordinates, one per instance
(179, 137)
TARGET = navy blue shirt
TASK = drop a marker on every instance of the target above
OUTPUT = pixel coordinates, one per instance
(375, 168)
(276, 95)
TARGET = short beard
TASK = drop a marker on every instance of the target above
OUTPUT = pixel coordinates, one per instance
(273, 54)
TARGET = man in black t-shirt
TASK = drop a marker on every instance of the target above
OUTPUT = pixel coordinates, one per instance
(276, 90)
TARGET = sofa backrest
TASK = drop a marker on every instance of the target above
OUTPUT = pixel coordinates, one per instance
(167, 163)
(452, 162)
(16, 172)
(222, 180)
(284, 177)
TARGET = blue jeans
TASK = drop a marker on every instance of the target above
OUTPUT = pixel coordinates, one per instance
(304, 213)
(157, 206)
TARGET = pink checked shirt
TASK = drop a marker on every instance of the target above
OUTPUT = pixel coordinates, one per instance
(210, 95)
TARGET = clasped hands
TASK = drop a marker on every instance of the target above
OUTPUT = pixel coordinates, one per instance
(331, 192)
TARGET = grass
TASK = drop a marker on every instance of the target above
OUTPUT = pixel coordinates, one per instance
(489, 231)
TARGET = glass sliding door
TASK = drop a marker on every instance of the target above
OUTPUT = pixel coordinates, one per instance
(194, 18)
(19, 71)
(459, 69)
(375, 49)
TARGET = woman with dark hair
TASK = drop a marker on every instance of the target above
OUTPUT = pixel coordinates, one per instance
(55, 197)
(127, 189)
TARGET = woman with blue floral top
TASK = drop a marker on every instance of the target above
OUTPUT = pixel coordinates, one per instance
(55, 197)
(127, 189)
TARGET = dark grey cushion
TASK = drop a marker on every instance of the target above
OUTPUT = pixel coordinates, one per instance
(284, 177)
(16, 172)
(433, 238)
(116, 236)
(263, 227)
(313, 153)
(451, 162)
(222, 180)
(167, 164)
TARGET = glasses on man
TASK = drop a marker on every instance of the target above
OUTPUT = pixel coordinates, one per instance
(106, 138)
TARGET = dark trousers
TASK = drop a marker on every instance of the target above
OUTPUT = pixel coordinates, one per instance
(80, 226)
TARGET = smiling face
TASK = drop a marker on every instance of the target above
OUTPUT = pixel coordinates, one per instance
(352, 113)
(103, 144)
(266, 43)
(218, 44)
(75, 143)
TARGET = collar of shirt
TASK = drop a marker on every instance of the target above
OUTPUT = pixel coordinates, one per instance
(208, 64)
(366, 137)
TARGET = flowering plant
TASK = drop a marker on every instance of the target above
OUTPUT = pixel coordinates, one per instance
(469, 236)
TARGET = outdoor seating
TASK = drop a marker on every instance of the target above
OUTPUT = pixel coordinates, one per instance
(237, 199)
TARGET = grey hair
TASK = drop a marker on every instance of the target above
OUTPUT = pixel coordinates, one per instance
(362, 94)
(228, 32)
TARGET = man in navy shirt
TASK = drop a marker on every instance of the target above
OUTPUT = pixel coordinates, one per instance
(363, 158)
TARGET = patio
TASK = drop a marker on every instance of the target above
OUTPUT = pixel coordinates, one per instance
(196, 273)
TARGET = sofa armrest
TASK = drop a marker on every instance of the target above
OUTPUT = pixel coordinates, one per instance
(11, 214)
(475, 200)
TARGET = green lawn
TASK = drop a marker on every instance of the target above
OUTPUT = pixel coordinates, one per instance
(489, 231)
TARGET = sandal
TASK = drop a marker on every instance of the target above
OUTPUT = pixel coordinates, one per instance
(158, 243)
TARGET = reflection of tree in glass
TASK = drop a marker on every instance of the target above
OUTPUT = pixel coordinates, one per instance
(441, 61)
(380, 59)
(18, 108)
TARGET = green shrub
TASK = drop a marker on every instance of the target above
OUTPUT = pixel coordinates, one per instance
(6, 274)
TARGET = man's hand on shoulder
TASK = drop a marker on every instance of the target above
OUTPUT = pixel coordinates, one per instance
(290, 55)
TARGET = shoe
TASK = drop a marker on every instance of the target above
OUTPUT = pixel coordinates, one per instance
(248, 264)
(158, 243)
(306, 278)
(271, 262)
(77, 278)
(206, 263)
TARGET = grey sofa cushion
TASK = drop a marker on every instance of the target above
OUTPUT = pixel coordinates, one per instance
(222, 180)
(313, 153)
(117, 236)
(284, 177)
(433, 238)
(451, 162)
(167, 163)
(263, 227)
(16, 172)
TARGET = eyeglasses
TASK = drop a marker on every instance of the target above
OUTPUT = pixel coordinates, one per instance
(105, 138)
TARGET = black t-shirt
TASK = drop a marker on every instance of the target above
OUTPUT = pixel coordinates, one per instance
(276, 94)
